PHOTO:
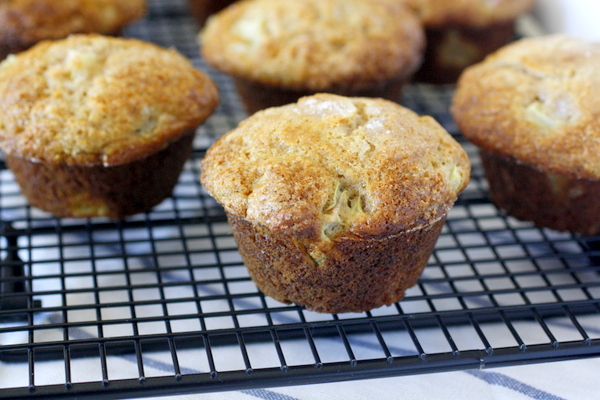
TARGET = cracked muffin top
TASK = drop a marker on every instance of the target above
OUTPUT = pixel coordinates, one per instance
(332, 165)
(26, 22)
(472, 13)
(91, 99)
(314, 44)
(536, 100)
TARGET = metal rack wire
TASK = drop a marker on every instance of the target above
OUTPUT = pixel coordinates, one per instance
(168, 287)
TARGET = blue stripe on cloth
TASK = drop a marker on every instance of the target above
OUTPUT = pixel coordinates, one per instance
(166, 367)
(158, 365)
(494, 378)
(267, 394)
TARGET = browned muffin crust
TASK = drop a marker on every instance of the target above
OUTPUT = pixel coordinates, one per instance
(26, 22)
(293, 164)
(313, 44)
(94, 100)
(351, 275)
(451, 49)
(548, 199)
(532, 108)
(468, 13)
(115, 191)
(336, 202)
(100, 126)
(202, 9)
(536, 101)
(257, 96)
(462, 32)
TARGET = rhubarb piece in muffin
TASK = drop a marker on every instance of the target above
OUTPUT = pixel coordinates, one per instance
(280, 50)
(100, 126)
(532, 108)
(336, 203)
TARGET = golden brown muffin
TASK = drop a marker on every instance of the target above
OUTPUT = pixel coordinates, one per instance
(99, 126)
(335, 202)
(202, 9)
(280, 50)
(462, 32)
(532, 108)
(23, 23)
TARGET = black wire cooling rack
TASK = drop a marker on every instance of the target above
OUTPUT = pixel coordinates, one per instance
(161, 303)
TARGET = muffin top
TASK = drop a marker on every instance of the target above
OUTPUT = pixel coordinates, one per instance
(314, 44)
(91, 100)
(26, 22)
(330, 165)
(468, 12)
(536, 100)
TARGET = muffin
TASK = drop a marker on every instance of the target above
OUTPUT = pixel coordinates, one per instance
(532, 108)
(99, 126)
(23, 23)
(280, 50)
(336, 202)
(202, 9)
(462, 32)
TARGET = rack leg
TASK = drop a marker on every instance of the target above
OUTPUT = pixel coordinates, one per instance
(15, 297)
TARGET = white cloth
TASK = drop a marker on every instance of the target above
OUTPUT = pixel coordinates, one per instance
(569, 380)
(564, 380)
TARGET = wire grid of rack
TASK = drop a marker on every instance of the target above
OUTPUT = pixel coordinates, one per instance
(169, 287)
